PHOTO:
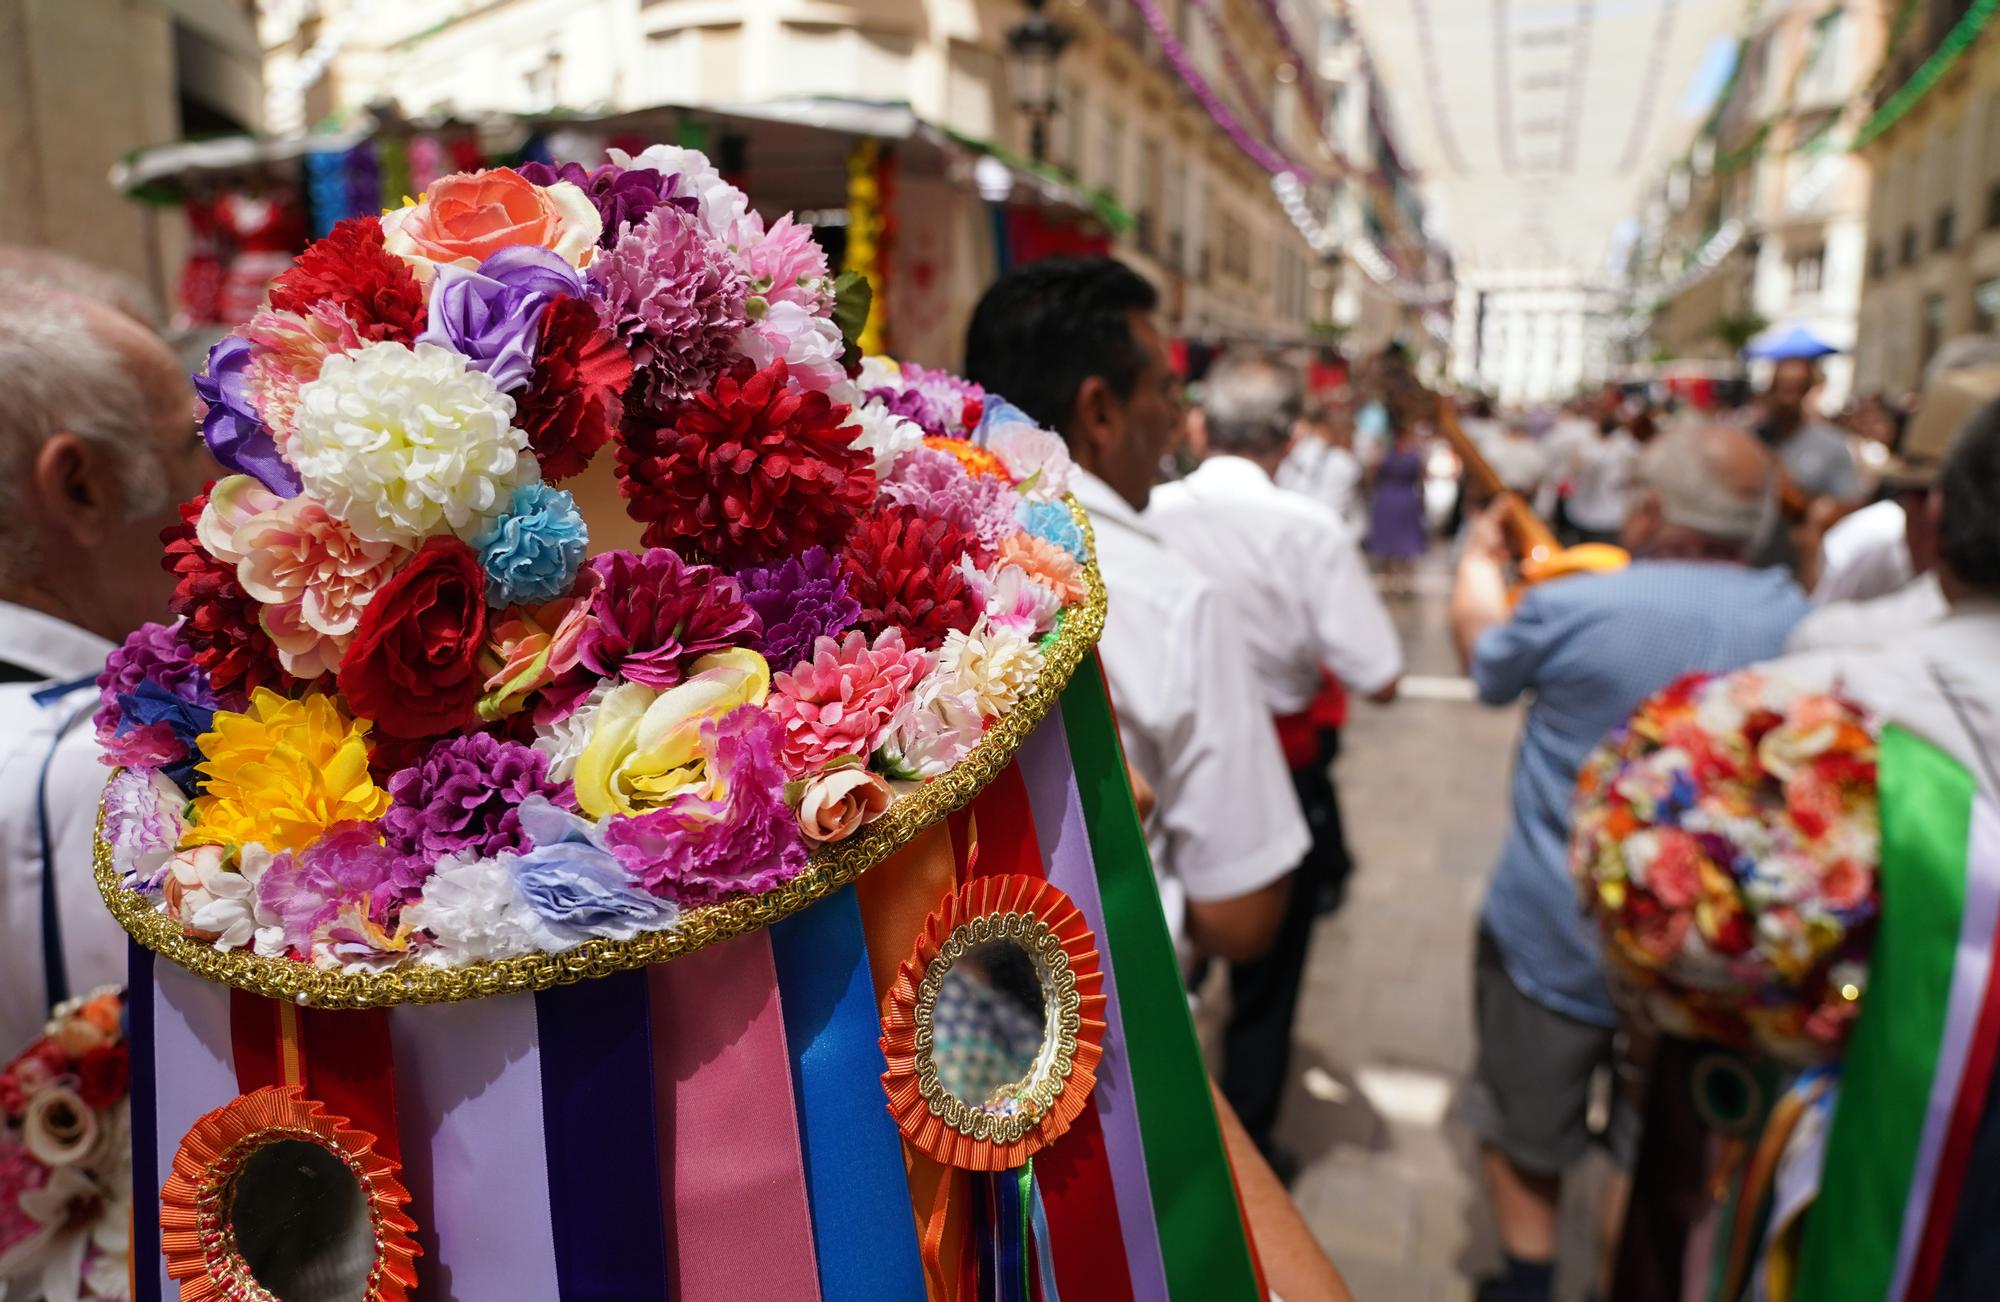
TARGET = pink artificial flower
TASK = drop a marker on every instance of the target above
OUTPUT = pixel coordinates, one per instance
(311, 573)
(842, 701)
(20, 1174)
(290, 349)
(531, 647)
(1046, 562)
(787, 265)
(1037, 458)
(1847, 884)
(1674, 875)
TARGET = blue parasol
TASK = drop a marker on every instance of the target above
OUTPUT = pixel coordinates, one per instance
(1782, 343)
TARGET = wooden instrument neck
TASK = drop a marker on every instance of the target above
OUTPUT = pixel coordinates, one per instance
(1530, 534)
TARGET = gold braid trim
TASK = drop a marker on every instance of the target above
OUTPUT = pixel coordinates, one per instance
(830, 868)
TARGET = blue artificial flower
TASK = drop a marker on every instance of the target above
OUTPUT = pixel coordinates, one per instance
(997, 412)
(150, 703)
(1052, 522)
(533, 552)
(575, 885)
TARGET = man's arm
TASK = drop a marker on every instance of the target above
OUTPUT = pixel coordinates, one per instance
(1241, 928)
(1296, 1268)
(1356, 637)
(1479, 599)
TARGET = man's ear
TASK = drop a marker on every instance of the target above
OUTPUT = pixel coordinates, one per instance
(71, 477)
(1095, 425)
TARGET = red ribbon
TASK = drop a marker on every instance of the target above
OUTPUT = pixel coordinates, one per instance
(342, 1059)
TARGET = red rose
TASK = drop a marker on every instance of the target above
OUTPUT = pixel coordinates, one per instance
(222, 625)
(749, 472)
(412, 666)
(352, 270)
(571, 408)
(101, 1075)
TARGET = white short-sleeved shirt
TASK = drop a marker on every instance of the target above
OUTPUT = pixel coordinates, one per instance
(1857, 624)
(1329, 474)
(1293, 578)
(1864, 555)
(93, 944)
(1601, 482)
(1194, 725)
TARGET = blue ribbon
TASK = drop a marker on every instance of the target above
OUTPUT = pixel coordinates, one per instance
(853, 1152)
(1008, 1248)
(599, 1126)
(146, 1272)
(1045, 1261)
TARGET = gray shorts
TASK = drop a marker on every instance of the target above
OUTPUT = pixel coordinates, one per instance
(1530, 1091)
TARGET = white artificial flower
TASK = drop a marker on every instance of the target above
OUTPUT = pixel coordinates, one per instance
(474, 910)
(996, 666)
(1037, 458)
(402, 443)
(882, 432)
(563, 740)
(720, 205)
(143, 821)
(224, 903)
(1013, 601)
(936, 728)
(811, 345)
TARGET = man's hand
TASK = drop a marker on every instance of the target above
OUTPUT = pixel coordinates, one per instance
(1479, 599)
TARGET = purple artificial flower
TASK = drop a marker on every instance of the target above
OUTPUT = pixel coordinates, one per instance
(800, 600)
(677, 298)
(465, 799)
(698, 851)
(234, 432)
(623, 196)
(938, 484)
(655, 613)
(942, 403)
(493, 315)
(153, 702)
(151, 652)
(347, 865)
(911, 406)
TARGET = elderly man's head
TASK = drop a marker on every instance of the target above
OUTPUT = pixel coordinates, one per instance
(97, 445)
(1700, 491)
(1252, 401)
(1965, 510)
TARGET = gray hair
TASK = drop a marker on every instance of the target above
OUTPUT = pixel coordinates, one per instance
(1698, 473)
(1250, 401)
(28, 272)
(58, 374)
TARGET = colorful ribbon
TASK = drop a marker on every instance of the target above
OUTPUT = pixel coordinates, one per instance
(740, 1224)
(853, 1152)
(597, 1129)
(1202, 1243)
(146, 1179)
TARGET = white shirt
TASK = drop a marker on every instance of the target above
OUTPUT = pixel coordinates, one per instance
(1291, 574)
(1865, 554)
(1326, 473)
(1226, 822)
(1856, 624)
(93, 944)
(1600, 474)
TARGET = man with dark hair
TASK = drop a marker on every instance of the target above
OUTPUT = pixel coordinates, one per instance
(1072, 342)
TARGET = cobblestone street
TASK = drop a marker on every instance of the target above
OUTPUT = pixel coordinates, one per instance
(1388, 1175)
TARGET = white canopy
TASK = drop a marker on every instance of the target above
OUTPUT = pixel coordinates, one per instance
(1536, 125)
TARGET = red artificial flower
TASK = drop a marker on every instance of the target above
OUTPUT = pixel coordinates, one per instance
(902, 566)
(748, 472)
(351, 269)
(222, 625)
(969, 414)
(413, 664)
(571, 408)
(101, 1075)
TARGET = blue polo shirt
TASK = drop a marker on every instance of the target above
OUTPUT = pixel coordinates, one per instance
(1588, 649)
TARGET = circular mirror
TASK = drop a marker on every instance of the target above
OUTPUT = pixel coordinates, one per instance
(990, 1026)
(300, 1220)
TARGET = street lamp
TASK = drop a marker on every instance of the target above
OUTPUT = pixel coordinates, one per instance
(1033, 46)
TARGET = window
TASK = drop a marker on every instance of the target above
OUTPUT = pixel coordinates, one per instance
(1173, 217)
(1909, 254)
(1069, 127)
(1149, 198)
(1933, 328)
(1807, 270)
(1993, 205)
(1822, 78)
(1878, 259)
(1945, 228)
(1986, 305)
(1111, 154)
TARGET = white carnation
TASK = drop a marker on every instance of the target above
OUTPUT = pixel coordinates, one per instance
(405, 442)
(995, 666)
(882, 433)
(936, 728)
(564, 739)
(476, 911)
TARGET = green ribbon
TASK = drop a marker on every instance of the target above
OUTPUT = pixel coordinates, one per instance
(1202, 1242)
(1026, 1176)
(1871, 1150)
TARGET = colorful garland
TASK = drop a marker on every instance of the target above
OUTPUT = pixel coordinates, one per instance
(868, 183)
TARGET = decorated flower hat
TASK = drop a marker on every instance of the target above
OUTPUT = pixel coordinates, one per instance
(1727, 842)
(411, 741)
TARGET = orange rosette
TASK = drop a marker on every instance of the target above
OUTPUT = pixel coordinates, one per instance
(1044, 920)
(978, 461)
(197, 1227)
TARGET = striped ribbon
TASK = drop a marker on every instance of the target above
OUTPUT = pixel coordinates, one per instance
(853, 1152)
(1202, 1240)
(1912, 1079)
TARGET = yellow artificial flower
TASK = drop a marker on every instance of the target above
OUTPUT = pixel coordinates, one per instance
(645, 746)
(281, 773)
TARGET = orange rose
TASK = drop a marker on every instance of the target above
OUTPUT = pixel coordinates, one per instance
(837, 802)
(468, 217)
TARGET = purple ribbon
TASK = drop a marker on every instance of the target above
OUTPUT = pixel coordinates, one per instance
(1050, 775)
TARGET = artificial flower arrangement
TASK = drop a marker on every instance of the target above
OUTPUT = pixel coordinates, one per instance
(403, 716)
(65, 1159)
(1726, 842)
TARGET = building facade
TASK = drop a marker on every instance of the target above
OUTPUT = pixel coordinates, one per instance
(1775, 168)
(1933, 248)
(1206, 224)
